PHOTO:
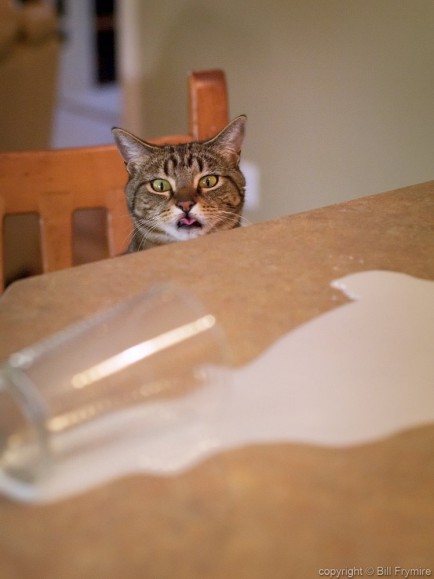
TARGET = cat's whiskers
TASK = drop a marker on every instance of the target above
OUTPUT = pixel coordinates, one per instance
(237, 216)
(222, 220)
(151, 225)
(228, 218)
(136, 232)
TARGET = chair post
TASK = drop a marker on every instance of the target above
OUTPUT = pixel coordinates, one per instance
(55, 211)
(208, 103)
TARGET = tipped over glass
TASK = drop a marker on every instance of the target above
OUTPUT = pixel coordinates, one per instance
(150, 366)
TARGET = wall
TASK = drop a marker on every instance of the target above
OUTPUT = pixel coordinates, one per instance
(339, 93)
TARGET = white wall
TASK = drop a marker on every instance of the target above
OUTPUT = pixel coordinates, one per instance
(339, 93)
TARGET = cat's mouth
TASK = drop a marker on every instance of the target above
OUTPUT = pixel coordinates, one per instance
(189, 223)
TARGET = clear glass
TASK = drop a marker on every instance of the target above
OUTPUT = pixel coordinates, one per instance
(160, 353)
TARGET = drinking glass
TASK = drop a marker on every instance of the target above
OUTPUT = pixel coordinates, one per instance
(139, 375)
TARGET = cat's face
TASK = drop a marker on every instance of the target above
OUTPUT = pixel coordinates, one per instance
(178, 192)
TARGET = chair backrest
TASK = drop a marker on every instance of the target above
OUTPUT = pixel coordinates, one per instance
(55, 183)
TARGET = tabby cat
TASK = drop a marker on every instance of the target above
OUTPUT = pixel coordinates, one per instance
(179, 192)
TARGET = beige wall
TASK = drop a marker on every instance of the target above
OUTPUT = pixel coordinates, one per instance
(339, 93)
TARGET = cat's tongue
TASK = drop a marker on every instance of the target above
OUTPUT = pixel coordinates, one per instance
(187, 221)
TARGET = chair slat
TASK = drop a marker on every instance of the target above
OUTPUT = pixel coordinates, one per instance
(55, 210)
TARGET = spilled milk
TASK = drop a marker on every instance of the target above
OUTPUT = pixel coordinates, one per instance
(353, 375)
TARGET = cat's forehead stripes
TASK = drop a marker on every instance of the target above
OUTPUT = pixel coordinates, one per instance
(184, 156)
(170, 164)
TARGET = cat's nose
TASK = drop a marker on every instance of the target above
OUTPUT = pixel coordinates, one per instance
(185, 205)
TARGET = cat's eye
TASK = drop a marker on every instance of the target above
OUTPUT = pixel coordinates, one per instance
(208, 181)
(161, 185)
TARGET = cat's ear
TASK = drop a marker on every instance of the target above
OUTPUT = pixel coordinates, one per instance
(130, 147)
(228, 142)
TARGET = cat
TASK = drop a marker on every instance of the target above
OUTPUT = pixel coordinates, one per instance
(180, 192)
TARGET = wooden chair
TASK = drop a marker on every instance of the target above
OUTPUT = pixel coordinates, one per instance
(55, 183)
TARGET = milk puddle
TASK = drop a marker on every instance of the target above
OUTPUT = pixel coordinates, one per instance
(353, 375)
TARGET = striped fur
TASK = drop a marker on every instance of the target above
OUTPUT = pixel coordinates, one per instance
(193, 205)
